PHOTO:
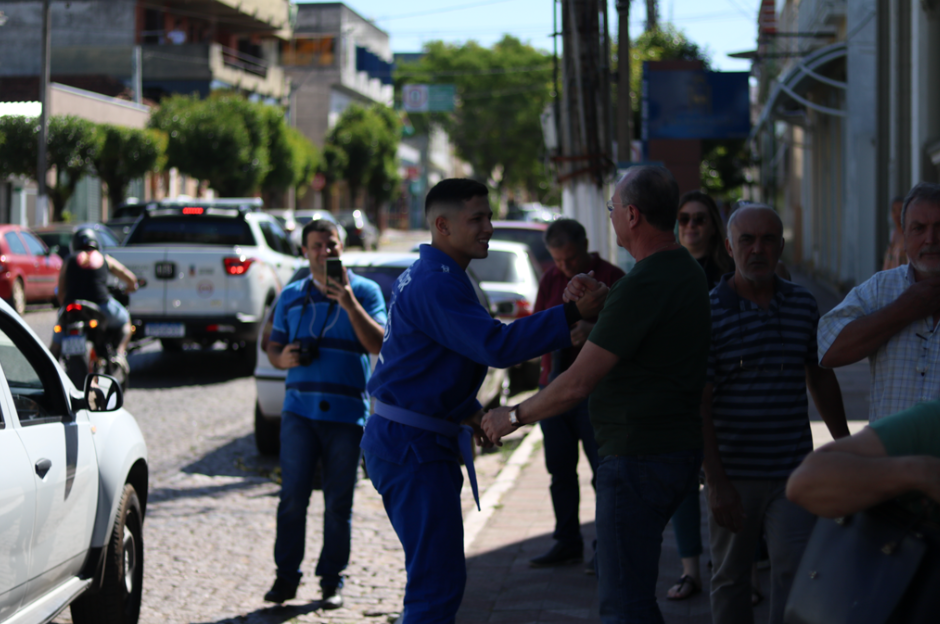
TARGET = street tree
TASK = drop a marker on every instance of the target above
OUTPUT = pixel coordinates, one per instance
(222, 140)
(127, 154)
(368, 138)
(293, 158)
(71, 146)
(501, 93)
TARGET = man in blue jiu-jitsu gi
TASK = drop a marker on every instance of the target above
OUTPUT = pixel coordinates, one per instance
(438, 344)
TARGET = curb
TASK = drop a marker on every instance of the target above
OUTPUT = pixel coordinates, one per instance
(476, 520)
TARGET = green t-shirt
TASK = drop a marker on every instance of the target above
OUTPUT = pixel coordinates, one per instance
(914, 431)
(657, 319)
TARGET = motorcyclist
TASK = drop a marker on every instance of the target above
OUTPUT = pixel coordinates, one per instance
(85, 276)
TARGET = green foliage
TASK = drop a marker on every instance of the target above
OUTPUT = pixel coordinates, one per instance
(723, 166)
(664, 44)
(501, 93)
(71, 146)
(127, 154)
(307, 160)
(361, 149)
(223, 140)
(293, 159)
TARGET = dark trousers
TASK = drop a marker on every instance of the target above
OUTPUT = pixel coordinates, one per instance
(562, 434)
(304, 442)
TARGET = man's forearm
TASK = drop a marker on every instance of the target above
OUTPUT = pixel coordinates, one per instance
(827, 395)
(864, 336)
(833, 483)
(563, 394)
(367, 330)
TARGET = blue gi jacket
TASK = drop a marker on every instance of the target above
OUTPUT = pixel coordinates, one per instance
(438, 344)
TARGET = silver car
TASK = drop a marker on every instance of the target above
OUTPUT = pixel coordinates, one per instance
(383, 268)
(73, 492)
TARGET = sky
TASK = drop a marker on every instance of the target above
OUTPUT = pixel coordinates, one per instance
(718, 26)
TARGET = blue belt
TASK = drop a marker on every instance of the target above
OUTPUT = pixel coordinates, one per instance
(462, 433)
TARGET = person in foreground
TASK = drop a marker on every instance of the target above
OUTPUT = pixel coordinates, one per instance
(754, 416)
(643, 366)
(891, 457)
(567, 243)
(325, 405)
(438, 344)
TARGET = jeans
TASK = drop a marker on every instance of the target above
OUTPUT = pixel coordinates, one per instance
(636, 496)
(787, 527)
(422, 501)
(562, 433)
(687, 523)
(304, 441)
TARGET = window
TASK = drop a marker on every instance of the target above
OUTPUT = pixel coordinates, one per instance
(498, 266)
(35, 247)
(107, 239)
(275, 238)
(192, 230)
(15, 244)
(31, 376)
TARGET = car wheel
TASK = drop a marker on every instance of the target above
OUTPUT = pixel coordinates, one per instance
(18, 297)
(267, 433)
(118, 600)
(171, 345)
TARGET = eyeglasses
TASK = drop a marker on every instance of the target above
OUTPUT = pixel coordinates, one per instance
(698, 218)
(610, 206)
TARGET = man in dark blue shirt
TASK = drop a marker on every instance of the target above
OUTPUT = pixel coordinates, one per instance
(323, 334)
(438, 344)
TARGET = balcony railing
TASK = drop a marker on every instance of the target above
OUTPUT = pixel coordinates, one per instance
(245, 62)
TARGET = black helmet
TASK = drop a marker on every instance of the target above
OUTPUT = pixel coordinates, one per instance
(85, 239)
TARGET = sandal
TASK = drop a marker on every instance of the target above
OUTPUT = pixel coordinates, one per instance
(684, 580)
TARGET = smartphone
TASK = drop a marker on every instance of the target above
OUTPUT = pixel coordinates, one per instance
(334, 270)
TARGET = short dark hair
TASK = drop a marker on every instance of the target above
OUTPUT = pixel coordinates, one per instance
(454, 191)
(317, 225)
(922, 191)
(564, 231)
(655, 193)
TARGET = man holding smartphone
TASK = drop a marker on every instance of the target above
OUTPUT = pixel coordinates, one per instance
(325, 327)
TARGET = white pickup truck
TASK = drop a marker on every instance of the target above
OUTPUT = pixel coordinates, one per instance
(212, 268)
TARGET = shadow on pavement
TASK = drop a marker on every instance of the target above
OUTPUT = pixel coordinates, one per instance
(156, 369)
(270, 615)
(502, 587)
(238, 458)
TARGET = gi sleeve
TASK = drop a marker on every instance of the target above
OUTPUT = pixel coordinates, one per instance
(451, 315)
(858, 303)
(279, 333)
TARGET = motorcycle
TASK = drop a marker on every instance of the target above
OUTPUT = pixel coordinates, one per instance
(89, 345)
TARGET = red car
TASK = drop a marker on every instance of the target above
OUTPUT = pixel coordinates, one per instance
(28, 272)
(527, 233)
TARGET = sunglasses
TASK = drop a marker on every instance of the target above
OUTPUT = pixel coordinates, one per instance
(696, 219)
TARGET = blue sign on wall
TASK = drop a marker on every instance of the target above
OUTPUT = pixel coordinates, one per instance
(695, 104)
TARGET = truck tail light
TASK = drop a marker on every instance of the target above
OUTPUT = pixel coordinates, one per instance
(523, 308)
(237, 265)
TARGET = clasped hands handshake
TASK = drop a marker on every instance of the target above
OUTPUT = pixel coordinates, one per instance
(589, 295)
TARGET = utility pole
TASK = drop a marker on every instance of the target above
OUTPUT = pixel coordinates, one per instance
(624, 102)
(42, 196)
(652, 16)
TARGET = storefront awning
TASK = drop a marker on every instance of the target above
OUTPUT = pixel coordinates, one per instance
(788, 95)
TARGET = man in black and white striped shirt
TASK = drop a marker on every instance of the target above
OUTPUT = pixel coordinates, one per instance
(754, 413)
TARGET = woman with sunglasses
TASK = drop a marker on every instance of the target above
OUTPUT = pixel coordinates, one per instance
(702, 233)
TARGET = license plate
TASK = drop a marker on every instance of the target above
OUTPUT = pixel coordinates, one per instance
(165, 330)
(73, 345)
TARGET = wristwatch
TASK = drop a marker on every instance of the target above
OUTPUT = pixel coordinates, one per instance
(514, 417)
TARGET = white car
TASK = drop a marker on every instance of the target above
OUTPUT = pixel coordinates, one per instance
(383, 268)
(509, 275)
(212, 269)
(303, 217)
(73, 491)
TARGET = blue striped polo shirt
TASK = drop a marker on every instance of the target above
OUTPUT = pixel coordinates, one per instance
(333, 387)
(757, 365)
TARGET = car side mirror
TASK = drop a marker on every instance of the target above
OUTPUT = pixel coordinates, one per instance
(103, 393)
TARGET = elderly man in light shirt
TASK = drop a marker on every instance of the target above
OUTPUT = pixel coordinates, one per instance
(892, 318)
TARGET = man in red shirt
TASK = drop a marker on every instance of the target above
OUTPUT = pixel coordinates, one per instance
(567, 243)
